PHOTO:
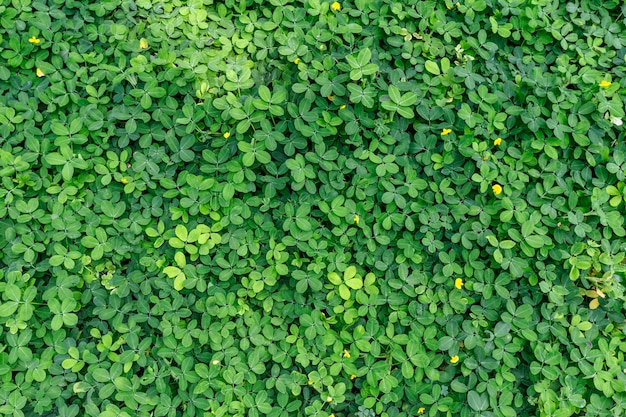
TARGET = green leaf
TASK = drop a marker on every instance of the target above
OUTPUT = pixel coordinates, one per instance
(55, 158)
(181, 232)
(7, 309)
(394, 94)
(113, 210)
(172, 271)
(334, 278)
(355, 283)
(12, 293)
(344, 292)
(432, 67)
(476, 401)
(364, 57)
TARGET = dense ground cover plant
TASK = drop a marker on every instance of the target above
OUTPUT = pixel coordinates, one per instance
(285, 207)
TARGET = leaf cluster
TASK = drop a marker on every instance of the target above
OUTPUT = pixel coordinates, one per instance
(283, 207)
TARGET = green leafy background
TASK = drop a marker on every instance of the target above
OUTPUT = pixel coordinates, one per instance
(244, 208)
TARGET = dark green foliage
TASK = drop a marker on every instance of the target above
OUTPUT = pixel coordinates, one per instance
(286, 207)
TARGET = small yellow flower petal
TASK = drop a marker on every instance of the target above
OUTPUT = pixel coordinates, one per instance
(215, 362)
(352, 377)
(310, 382)
(330, 98)
(335, 6)
(446, 132)
(329, 399)
(34, 40)
(458, 283)
(497, 141)
(226, 135)
(497, 189)
(421, 410)
(454, 359)
(356, 218)
(143, 43)
(296, 61)
(343, 106)
(124, 180)
(39, 73)
(346, 354)
(605, 83)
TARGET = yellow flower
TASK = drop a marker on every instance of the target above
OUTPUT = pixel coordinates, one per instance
(346, 354)
(605, 83)
(296, 61)
(421, 410)
(335, 6)
(330, 98)
(497, 141)
(35, 40)
(497, 189)
(332, 415)
(143, 43)
(215, 362)
(446, 132)
(310, 382)
(39, 73)
(124, 180)
(226, 135)
(356, 218)
(458, 283)
(454, 359)
(343, 106)
(329, 399)
(353, 377)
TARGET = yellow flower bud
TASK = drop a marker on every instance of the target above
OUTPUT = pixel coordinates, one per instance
(446, 132)
(605, 83)
(143, 43)
(226, 135)
(335, 6)
(34, 40)
(39, 72)
(497, 189)
(296, 61)
(454, 359)
(497, 141)
(458, 283)
(346, 354)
